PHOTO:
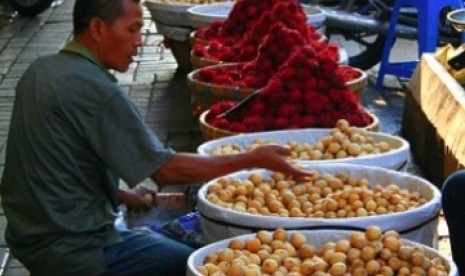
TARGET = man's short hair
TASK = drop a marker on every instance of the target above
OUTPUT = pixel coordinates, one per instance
(85, 10)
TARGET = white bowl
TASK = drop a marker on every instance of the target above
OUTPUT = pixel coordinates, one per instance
(203, 15)
(418, 224)
(172, 14)
(172, 32)
(393, 159)
(457, 19)
(315, 237)
(315, 16)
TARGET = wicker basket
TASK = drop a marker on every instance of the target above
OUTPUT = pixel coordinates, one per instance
(358, 85)
(210, 132)
(199, 62)
(205, 94)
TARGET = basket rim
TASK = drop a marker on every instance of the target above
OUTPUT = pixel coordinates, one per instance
(205, 124)
(363, 76)
(191, 77)
(198, 59)
(374, 126)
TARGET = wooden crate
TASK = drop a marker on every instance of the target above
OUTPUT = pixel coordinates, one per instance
(434, 120)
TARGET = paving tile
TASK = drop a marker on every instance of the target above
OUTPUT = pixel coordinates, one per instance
(17, 271)
(2, 157)
(144, 77)
(10, 52)
(16, 72)
(3, 43)
(444, 246)
(4, 68)
(124, 79)
(58, 27)
(58, 17)
(16, 43)
(153, 38)
(52, 38)
(2, 229)
(9, 83)
(7, 92)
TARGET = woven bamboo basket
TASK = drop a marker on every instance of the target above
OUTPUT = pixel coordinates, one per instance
(358, 85)
(199, 62)
(205, 94)
(210, 132)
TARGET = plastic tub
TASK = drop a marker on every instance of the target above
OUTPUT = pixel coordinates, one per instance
(173, 14)
(419, 224)
(201, 16)
(393, 159)
(315, 237)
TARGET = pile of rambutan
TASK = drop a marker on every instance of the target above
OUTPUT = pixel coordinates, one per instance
(301, 83)
(348, 73)
(240, 19)
(306, 92)
(272, 52)
(237, 39)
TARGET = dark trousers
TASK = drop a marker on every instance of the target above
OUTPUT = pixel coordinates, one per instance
(453, 205)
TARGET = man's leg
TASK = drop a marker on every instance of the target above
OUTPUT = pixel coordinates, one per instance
(453, 205)
(144, 253)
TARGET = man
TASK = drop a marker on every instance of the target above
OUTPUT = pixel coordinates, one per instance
(73, 134)
(453, 199)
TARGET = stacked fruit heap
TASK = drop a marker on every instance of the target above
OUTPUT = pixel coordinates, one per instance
(238, 37)
(302, 85)
(305, 92)
(348, 73)
(326, 196)
(361, 253)
(342, 142)
(273, 51)
(194, 2)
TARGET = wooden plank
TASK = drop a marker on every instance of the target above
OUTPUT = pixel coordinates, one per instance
(433, 120)
(421, 134)
(442, 99)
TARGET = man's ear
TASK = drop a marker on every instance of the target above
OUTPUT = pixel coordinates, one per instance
(96, 29)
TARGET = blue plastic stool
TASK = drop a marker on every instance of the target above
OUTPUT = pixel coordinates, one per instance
(427, 37)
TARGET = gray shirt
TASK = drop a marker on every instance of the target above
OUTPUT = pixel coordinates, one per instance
(73, 133)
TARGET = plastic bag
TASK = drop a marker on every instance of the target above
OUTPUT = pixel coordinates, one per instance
(185, 229)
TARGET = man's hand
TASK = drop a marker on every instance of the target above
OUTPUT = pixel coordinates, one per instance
(275, 158)
(138, 199)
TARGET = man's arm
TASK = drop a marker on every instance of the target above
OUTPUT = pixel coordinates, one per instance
(187, 168)
(138, 199)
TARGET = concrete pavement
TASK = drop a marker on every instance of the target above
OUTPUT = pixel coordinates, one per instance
(157, 88)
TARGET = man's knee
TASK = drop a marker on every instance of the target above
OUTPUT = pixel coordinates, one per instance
(453, 190)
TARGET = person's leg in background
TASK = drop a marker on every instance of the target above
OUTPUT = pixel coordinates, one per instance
(144, 253)
(453, 205)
